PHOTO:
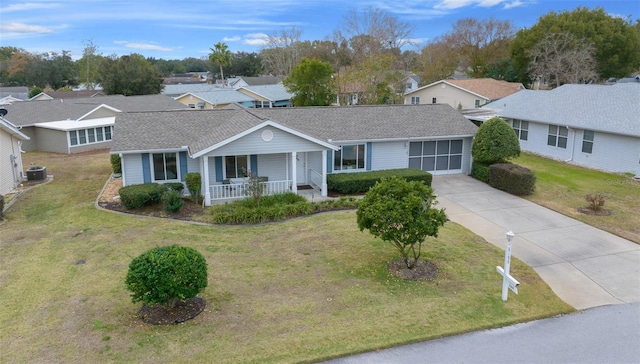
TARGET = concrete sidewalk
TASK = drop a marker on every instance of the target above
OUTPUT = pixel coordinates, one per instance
(586, 267)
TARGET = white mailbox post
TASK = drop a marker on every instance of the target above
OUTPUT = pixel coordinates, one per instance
(508, 282)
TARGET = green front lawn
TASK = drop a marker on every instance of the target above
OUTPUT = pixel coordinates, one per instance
(306, 289)
(562, 187)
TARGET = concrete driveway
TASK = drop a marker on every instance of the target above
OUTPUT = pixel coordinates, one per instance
(586, 267)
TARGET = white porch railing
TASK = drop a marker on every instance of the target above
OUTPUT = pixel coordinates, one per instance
(316, 179)
(238, 190)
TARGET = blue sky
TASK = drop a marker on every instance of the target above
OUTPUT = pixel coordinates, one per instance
(178, 29)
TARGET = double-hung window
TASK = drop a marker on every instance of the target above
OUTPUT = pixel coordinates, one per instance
(349, 157)
(558, 136)
(236, 166)
(521, 128)
(165, 166)
(587, 141)
(415, 100)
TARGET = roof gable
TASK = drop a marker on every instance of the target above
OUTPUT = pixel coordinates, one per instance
(486, 88)
(11, 129)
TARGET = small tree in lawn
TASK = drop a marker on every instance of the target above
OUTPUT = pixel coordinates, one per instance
(495, 142)
(401, 213)
(165, 275)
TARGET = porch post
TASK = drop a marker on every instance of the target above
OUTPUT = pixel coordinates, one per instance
(294, 172)
(323, 189)
(207, 191)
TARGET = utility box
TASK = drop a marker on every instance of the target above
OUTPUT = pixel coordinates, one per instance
(36, 173)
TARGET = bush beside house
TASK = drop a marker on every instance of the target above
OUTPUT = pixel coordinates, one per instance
(353, 183)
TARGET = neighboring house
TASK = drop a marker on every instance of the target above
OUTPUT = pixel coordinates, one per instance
(11, 169)
(411, 82)
(242, 81)
(249, 96)
(288, 147)
(8, 100)
(462, 94)
(181, 89)
(78, 125)
(596, 126)
(268, 95)
(216, 99)
(51, 95)
(18, 92)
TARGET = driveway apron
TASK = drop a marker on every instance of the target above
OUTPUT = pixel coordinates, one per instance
(586, 267)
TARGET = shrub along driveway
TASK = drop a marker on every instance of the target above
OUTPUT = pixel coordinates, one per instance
(306, 289)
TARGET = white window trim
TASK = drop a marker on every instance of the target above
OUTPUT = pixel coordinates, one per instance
(224, 164)
(152, 166)
(86, 133)
(341, 170)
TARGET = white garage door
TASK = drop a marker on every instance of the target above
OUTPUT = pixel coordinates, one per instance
(436, 156)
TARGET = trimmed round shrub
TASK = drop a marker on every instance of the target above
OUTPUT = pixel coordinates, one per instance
(166, 275)
(136, 196)
(172, 200)
(495, 142)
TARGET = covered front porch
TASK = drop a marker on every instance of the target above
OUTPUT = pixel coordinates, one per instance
(303, 173)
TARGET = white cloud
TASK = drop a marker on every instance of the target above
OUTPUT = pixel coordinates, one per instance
(255, 39)
(456, 4)
(143, 46)
(235, 38)
(453, 4)
(14, 30)
(28, 6)
(514, 4)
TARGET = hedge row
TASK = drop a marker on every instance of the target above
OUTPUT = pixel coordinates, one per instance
(136, 196)
(512, 178)
(361, 182)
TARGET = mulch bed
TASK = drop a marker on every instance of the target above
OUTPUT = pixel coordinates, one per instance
(165, 315)
(188, 211)
(589, 211)
(423, 270)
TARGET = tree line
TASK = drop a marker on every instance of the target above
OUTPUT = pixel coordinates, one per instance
(370, 50)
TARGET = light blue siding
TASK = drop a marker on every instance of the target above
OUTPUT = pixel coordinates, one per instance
(132, 169)
(282, 142)
(273, 166)
(389, 155)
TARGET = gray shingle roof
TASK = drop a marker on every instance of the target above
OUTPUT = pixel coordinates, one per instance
(271, 92)
(223, 96)
(200, 129)
(30, 112)
(609, 108)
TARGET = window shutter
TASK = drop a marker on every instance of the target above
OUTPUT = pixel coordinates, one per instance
(253, 162)
(218, 163)
(183, 164)
(329, 161)
(146, 168)
(368, 158)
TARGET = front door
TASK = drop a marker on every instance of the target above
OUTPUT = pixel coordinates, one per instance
(301, 168)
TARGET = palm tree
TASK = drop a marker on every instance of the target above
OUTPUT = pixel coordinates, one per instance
(220, 55)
